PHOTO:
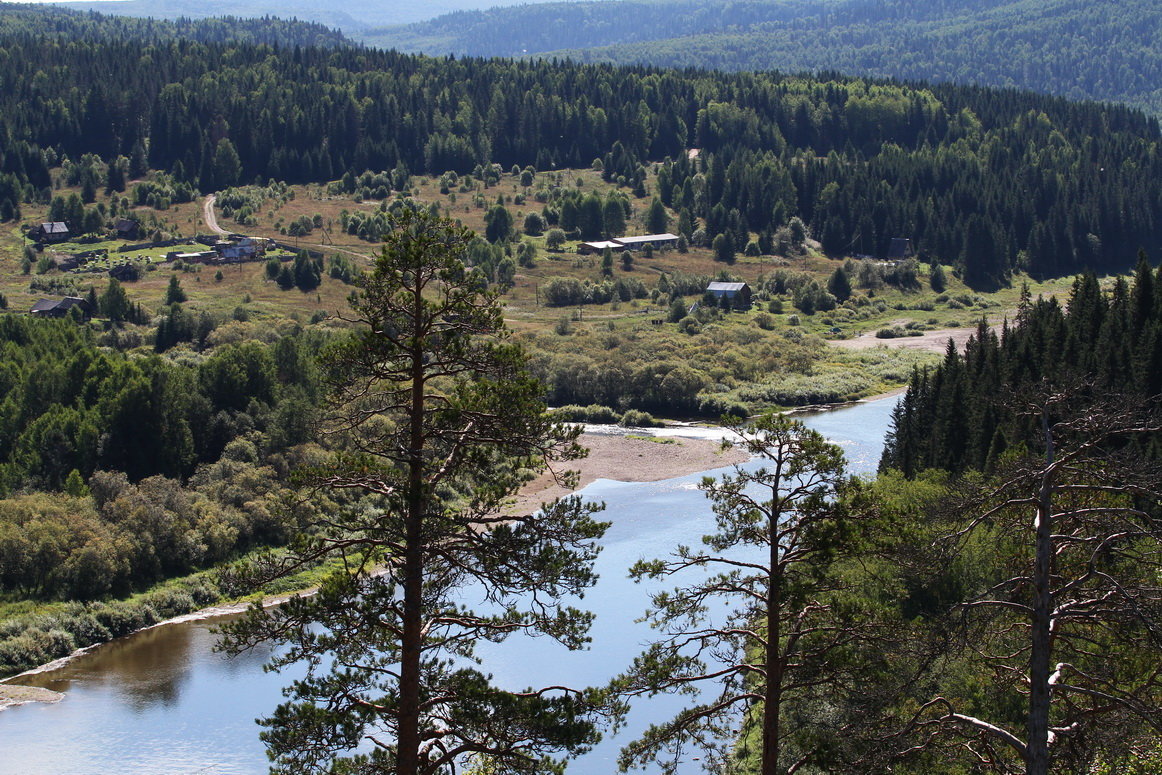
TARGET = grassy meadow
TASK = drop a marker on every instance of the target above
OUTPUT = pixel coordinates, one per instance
(770, 355)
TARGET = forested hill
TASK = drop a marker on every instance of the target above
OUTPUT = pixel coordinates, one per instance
(991, 180)
(43, 22)
(349, 16)
(1101, 344)
(1082, 49)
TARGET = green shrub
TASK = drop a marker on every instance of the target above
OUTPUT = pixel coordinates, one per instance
(172, 602)
(594, 413)
(634, 418)
(119, 618)
(720, 406)
(84, 627)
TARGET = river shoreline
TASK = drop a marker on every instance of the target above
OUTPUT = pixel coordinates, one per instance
(635, 457)
(154, 702)
(624, 455)
(626, 458)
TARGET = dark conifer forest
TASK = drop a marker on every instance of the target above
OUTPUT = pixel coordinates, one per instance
(1082, 49)
(991, 179)
(966, 414)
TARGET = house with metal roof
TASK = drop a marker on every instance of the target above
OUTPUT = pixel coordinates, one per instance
(656, 240)
(598, 246)
(57, 231)
(739, 294)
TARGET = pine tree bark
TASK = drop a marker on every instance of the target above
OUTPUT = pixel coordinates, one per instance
(774, 664)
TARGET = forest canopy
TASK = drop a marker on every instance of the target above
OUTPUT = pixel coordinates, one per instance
(991, 180)
(1081, 49)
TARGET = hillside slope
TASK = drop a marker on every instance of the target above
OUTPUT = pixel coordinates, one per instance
(1081, 49)
(350, 17)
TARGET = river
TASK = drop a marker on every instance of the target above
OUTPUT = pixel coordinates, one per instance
(163, 701)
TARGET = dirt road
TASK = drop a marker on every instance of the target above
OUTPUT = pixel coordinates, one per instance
(210, 217)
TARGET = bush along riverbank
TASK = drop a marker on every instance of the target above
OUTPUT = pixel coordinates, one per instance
(55, 631)
(35, 634)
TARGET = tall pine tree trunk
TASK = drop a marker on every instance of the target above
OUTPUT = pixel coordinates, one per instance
(408, 744)
(408, 750)
(773, 662)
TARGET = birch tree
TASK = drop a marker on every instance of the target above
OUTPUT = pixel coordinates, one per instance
(441, 423)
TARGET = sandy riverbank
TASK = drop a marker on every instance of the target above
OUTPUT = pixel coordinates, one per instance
(629, 459)
(929, 341)
(12, 695)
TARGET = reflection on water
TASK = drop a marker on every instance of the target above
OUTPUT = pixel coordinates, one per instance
(162, 701)
(142, 672)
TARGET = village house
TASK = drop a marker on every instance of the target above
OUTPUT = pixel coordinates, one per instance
(597, 247)
(739, 294)
(629, 243)
(244, 249)
(49, 233)
(59, 308)
(900, 249)
(127, 229)
(654, 240)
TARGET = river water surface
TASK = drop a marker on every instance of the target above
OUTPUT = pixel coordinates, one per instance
(162, 701)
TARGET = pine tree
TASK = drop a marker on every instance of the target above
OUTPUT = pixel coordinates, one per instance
(444, 424)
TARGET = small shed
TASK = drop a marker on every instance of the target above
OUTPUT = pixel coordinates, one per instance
(900, 249)
(125, 273)
(200, 257)
(59, 308)
(739, 294)
(57, 231)
(127, 228)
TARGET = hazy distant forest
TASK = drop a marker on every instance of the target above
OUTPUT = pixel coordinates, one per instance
(989, 603)
(1081, 49)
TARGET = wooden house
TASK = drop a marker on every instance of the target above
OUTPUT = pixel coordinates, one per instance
(127, 229)
(59, 308)
(49, 233)
(739, 294)
(900, 249)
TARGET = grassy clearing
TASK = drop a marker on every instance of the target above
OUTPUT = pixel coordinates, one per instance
(771, 355)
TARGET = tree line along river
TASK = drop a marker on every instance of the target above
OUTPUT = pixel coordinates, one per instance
(162, 700)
